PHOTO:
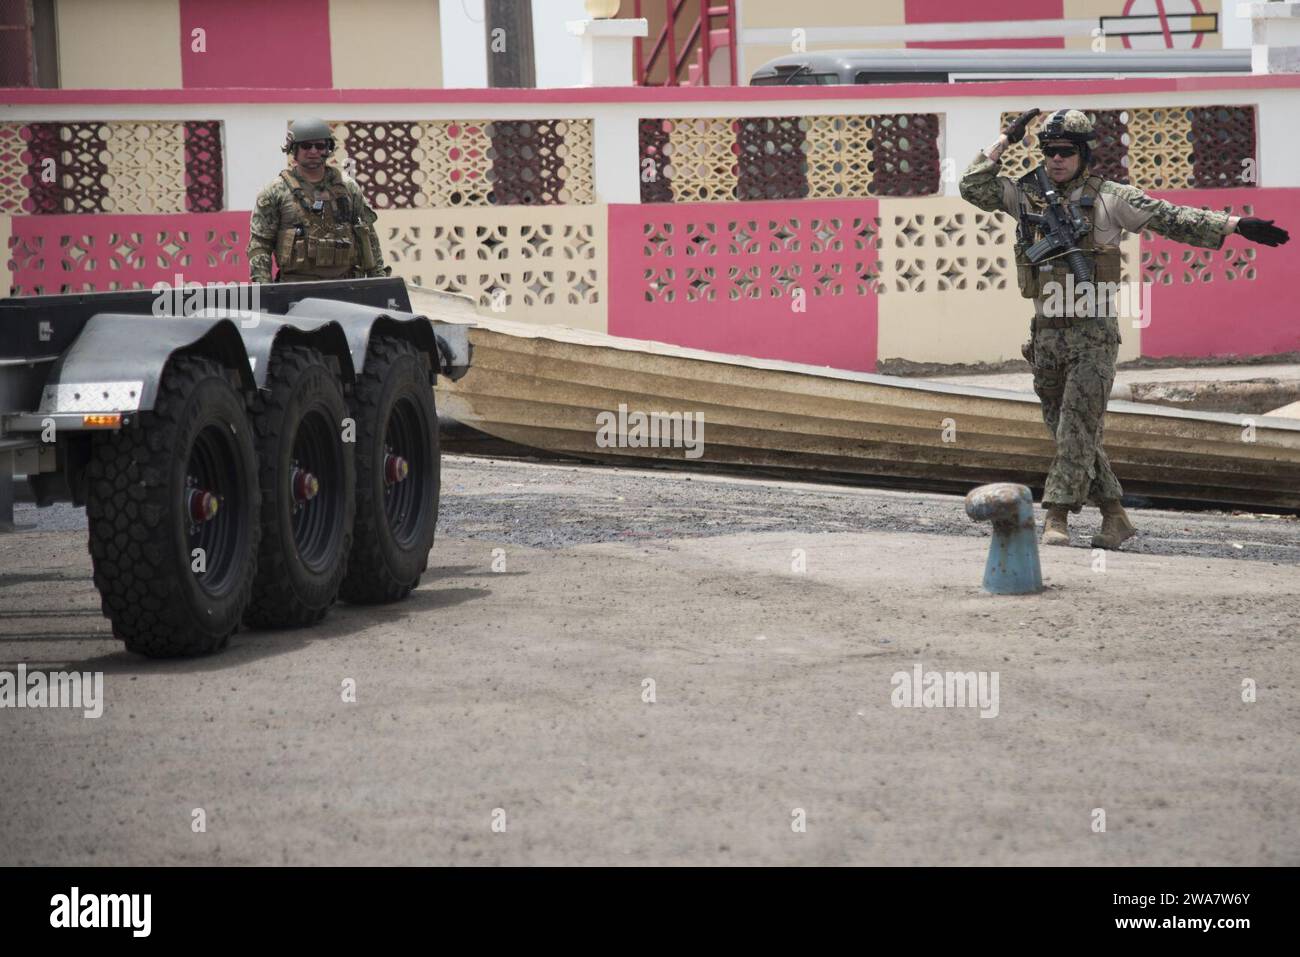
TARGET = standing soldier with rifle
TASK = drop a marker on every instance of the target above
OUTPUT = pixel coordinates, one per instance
(313, 218)
(1071, 224)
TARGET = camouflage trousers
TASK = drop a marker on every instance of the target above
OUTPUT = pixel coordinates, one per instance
(1074, 369)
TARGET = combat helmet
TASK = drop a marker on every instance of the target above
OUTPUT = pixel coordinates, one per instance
(308, 129)
(1073, 126)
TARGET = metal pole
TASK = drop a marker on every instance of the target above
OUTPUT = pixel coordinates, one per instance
(706, 39)
(638, 51)
(670, 11)
(731, 27)
(509, 37)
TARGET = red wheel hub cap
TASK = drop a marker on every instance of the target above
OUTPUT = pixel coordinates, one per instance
(203, 505)
(396, 469)
(305, 485)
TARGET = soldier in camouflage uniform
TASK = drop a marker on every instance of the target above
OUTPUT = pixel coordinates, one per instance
(1073, 355)
(313, 218)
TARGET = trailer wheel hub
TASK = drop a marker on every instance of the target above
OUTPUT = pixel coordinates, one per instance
(203, 506)
(305, 485)
(396, 469)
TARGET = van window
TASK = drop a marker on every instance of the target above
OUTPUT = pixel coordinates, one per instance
(801, 79)
(872, 76)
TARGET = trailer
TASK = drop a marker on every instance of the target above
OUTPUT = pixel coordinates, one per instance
(244, 463)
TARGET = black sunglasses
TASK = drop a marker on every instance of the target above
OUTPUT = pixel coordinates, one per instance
(323, 146)
(1060, 151)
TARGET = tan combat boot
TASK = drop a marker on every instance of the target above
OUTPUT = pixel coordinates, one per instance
(1056, 530)
(1115, 526)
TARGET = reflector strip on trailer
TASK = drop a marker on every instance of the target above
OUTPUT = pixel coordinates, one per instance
(92, 397)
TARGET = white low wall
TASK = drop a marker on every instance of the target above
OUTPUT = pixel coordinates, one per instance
(254, 132)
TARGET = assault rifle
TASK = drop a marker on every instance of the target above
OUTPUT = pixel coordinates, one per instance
(1062, 226)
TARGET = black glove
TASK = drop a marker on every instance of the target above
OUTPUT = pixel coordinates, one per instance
(1016, 131)
(1262, 231)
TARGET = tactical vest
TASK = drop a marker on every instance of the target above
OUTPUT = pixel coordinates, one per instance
(1105, 259)
(324, 240)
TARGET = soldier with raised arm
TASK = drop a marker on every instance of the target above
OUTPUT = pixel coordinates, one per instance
(1073, 351)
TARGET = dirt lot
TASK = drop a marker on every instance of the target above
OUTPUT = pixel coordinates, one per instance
(523, 690)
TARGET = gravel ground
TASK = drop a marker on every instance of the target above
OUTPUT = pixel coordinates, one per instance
(512, 687)
(558, 506)
(562, 506)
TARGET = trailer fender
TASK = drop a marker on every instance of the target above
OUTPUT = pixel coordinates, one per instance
(456, 349)
(263, 332)
(117, 361)
(362, 322)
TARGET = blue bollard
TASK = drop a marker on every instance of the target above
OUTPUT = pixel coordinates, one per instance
(1012, 568)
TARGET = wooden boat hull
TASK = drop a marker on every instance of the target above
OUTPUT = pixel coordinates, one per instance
(551, 388)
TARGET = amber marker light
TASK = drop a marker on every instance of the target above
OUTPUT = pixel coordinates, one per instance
(108, 420)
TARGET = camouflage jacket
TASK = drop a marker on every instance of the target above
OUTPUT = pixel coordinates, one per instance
(277, 209)
(1119, 208)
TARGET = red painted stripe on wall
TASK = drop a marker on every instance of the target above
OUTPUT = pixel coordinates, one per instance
(251, 43)
(963, 11)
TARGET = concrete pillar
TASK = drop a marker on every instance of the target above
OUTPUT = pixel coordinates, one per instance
(607, 49)
(1275, 35)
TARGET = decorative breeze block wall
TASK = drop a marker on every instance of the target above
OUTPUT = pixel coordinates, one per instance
(1204, 147)
(48, 255)
(935, 247)
(717, 159)
(947, 283)
(429, 164)
(546, 266)
(779, 280)
(119, 166)
(1230, 301)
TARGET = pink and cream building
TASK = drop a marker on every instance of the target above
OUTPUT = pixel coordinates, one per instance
(419, 44)
(810, 224)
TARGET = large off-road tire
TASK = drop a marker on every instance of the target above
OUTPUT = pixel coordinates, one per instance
(395, 520)
(298, 421)
(191, 455)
